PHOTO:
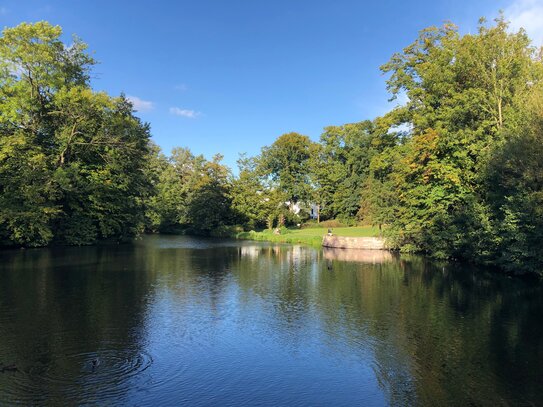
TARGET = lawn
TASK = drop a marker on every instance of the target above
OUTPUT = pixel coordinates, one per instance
(311, 236)
(355, 231)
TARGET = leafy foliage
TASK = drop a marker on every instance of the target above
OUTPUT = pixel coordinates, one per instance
(71, 159)
(467, 111)
(193, 194)
(455, 172)
(285, 161)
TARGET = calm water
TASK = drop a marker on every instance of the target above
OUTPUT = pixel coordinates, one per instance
(182, 321)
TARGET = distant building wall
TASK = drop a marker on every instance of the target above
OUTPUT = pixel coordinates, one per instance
(296, 207)
(314, 211)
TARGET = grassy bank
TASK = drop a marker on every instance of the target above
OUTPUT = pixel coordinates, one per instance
(309, 236)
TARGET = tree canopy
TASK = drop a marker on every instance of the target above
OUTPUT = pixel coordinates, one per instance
(71, 160)
(454, 172)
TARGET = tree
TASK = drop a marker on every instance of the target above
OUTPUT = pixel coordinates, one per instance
(210, 203)
(342, 164)
(463, 97)
(514, 194)
(286, 162)
(253, 202)
(71, 160)
(192, 194)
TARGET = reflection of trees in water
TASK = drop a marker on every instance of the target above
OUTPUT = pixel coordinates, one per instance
(438, 333)
(279, 275)
(55, 317)
(434, 334)
(196, 275)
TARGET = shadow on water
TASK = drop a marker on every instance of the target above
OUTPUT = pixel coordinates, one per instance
(71, 321)
(199, 321)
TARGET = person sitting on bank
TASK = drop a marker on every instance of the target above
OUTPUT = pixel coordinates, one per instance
(329, 232)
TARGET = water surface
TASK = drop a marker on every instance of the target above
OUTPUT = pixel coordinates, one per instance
(185, 321)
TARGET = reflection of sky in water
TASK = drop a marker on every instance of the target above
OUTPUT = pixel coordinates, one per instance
(204, 322)
(254, 336)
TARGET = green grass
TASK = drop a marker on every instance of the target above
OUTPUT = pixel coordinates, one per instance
(355, 231)
(309, 236)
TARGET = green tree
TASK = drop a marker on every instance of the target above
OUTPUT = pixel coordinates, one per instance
(71, 160)
(514, 185)
(253, 201)
(341, 165)
(210, 202)
(463, 96)
(192, 194)
(286, 162)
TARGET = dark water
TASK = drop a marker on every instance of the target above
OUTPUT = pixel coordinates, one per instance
(181, 321)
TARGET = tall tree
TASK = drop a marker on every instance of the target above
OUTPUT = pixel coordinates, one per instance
(210, 203)
(463, 94)
(514, 194)
(192, 194)
(71, 159)
(342, 164)
(253, 201)
(286, 162)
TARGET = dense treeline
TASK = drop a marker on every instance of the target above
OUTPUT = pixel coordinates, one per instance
(456, 171)
(72, 161)
(467, 182)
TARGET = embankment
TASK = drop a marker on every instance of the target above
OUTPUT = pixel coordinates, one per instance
(343, 242)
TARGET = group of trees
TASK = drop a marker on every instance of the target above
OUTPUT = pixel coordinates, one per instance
(467, 181)
(73, 162)
(456, 171)
(192, 195)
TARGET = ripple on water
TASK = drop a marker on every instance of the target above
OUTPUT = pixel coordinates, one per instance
(81, 378)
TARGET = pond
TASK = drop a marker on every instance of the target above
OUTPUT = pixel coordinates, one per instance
(175, 320)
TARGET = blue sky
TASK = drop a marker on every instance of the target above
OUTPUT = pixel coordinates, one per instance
(232, 76)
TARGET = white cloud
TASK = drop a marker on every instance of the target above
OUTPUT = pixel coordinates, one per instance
(181, 87)
(527, 14)
(191, 114)
(141, 105)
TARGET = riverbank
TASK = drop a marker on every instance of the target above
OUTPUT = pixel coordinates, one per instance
(308, 236)
(358, 243)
